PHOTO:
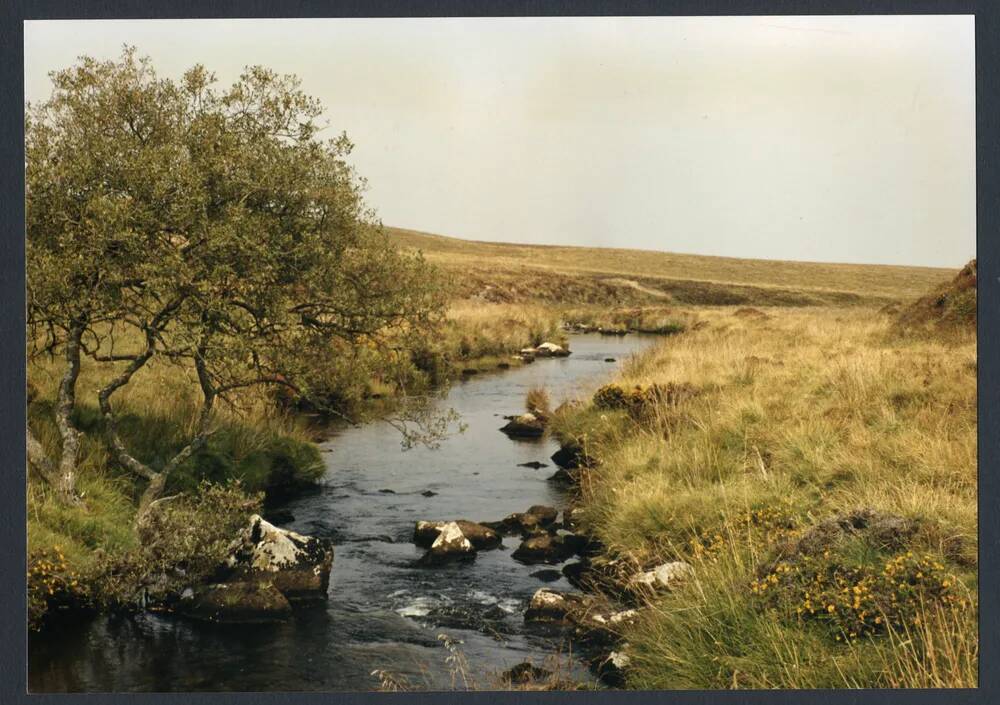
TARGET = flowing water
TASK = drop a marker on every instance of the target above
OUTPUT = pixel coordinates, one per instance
(383, 613)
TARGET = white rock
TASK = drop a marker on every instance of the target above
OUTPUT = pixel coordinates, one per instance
(552, 349)
(451, 539)
(666, 575)
(297, 565)
(265, 547)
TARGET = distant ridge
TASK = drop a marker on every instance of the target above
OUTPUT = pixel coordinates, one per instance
(703, 279)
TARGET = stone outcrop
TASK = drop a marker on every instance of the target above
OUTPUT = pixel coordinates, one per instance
(298, 566)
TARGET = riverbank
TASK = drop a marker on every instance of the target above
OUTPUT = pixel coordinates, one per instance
(384, 611)
(258, 443)
(817, 471)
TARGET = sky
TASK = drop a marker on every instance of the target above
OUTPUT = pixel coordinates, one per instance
(835, 139)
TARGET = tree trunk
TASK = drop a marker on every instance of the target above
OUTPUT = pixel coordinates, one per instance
(66, 403)
(62, 476)
(39, 459)
(154, 489)
(157, 480)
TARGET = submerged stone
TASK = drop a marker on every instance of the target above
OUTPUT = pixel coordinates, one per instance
(235, 603)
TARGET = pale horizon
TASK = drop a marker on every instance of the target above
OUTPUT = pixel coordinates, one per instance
(816, 139)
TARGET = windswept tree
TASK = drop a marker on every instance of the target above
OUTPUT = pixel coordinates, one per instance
(209, 227)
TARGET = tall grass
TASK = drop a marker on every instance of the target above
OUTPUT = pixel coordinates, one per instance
(797, 417)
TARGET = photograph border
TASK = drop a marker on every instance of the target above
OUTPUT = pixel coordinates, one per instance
(13, 618)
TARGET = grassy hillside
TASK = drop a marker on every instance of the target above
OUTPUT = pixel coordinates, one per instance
(502, 271)
(793, 425)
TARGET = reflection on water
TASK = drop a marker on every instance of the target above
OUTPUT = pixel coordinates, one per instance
(383, 612)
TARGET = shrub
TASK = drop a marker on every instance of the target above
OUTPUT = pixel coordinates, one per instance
(610, 397)
(53, 586)
(183, 541)
(853, 601)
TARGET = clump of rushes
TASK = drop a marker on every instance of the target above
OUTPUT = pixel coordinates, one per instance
(852, 602)
(537, 402)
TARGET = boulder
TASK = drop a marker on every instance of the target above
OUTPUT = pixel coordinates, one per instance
(551, 350)
(571, 517)
(555, 607)
(235, 603)
(450, 545)
(664, 577)
(524, 426)
(563, 477)
(546, 515)
(570, 457)
(482, 538)
(545, 548)
(298, 566)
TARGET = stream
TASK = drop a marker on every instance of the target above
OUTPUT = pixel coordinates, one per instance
(383, 612)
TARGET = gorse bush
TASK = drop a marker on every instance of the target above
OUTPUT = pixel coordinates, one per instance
(852, 602)
(53, 586)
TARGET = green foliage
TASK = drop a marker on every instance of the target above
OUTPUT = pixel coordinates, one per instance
(183, 541)
(212, 229)
(279, 464)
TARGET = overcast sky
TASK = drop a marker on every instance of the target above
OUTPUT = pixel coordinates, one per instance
(838, 139)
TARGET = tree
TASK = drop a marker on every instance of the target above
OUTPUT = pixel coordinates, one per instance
(214, 225)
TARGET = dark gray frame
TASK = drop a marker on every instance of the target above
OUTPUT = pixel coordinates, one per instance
(13, 659)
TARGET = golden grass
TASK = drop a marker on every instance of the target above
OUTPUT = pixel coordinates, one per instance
(660, 270)
(805, 413)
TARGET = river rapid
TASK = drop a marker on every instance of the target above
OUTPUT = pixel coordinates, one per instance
(383, 612)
